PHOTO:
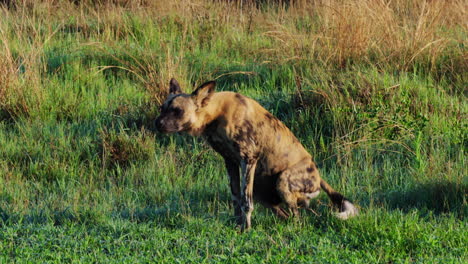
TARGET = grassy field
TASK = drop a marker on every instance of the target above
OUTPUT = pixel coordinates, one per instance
(375, 90)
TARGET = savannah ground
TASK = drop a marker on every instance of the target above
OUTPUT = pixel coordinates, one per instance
(375, 90)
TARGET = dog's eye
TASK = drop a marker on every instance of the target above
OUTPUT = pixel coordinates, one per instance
(177, 112)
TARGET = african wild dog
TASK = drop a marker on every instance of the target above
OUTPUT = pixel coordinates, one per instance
(275, 167)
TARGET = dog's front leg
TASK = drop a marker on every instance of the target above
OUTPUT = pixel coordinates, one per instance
(234, 182)
(248, 173)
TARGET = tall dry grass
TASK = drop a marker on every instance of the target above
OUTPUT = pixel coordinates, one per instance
(396, 33)
(23, 37)
(400, 35)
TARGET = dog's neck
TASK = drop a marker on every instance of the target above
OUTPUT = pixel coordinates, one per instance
(212, 112)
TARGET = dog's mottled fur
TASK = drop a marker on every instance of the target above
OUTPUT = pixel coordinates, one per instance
(274, 166)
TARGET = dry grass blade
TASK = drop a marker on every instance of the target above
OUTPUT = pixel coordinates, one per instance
(248, 73)
(152, 70)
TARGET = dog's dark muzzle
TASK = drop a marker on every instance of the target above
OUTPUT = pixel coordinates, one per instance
(164, 127)
(160, 125)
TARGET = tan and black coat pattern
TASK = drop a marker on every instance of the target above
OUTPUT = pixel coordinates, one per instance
(274, 166)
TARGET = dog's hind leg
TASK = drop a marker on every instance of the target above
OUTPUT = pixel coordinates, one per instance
(288, 197)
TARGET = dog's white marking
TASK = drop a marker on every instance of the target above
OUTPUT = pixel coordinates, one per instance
(312, 195)
(349, 210)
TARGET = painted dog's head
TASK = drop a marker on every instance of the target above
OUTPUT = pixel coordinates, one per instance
(180, 111)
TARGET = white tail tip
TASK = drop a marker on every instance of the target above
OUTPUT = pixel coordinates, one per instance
(348, 211)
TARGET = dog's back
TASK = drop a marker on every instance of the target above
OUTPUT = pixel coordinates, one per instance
(257, 132)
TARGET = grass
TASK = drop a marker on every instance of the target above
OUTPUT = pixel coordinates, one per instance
(375, 90)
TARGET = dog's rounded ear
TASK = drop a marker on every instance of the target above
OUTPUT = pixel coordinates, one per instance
(203, 93)
(174, 87)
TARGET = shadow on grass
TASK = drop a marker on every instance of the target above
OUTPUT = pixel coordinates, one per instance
(176, 209)
(45, 216)
(438, 198)
(180, 208)
(173, 213)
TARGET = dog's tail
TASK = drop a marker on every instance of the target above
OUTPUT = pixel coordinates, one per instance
(347, 209)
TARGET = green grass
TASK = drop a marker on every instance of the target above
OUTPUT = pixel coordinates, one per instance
(85, 178)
